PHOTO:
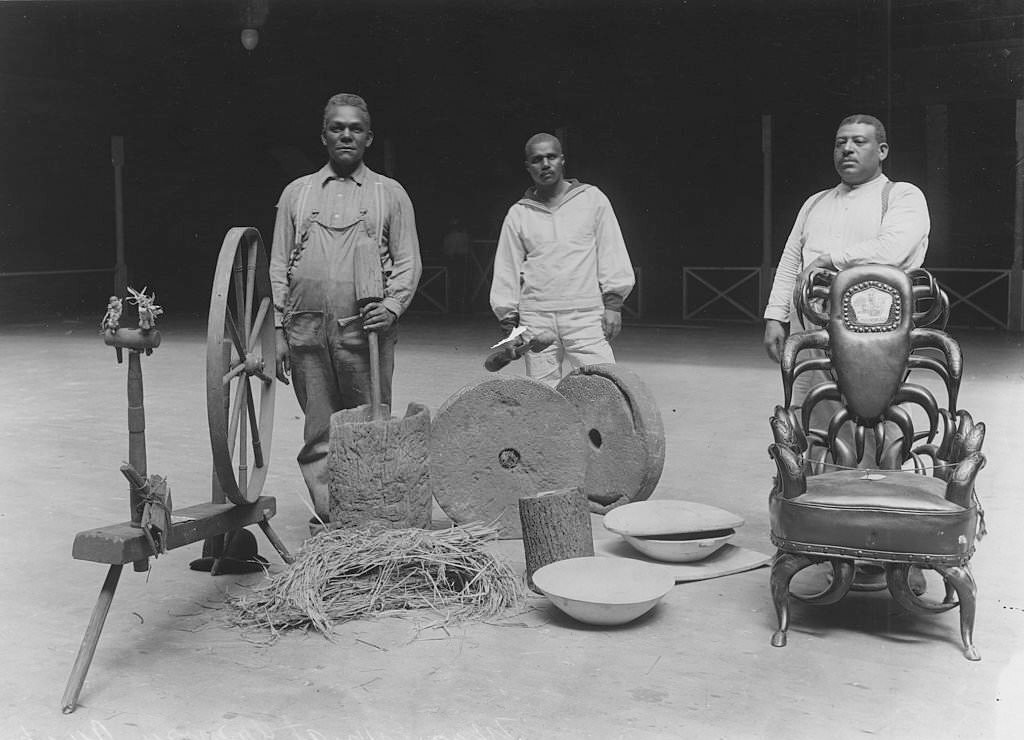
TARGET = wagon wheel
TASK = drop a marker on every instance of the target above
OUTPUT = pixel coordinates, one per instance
(240, 359)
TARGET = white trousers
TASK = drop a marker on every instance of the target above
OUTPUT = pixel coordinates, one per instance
(580, 341)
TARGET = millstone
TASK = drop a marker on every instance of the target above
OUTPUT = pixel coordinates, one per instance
(625, 434)
(498, 440)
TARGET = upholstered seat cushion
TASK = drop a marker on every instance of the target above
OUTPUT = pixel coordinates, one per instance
(901, 513)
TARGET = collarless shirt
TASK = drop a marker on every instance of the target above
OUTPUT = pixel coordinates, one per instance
(847, 224)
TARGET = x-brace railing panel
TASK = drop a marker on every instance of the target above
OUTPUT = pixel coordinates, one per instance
(720, 294)
(436, 276)
(956, 297)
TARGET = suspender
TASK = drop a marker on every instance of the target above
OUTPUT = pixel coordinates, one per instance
(302, 223)
(886, 191)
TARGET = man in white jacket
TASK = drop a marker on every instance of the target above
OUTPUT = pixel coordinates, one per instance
(561, 265)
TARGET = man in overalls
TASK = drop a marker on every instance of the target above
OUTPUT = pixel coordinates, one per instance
(322, 220)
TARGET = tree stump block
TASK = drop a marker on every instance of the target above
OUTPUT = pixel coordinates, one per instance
(556, 526)
(378, 469)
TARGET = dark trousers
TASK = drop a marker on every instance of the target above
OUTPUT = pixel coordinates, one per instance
(330, 372)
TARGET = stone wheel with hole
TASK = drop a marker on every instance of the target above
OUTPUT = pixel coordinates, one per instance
(498, 440)
(240, 366)
(624, 431)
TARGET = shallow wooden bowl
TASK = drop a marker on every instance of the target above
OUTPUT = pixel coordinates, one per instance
(603, 591)
(684, 548)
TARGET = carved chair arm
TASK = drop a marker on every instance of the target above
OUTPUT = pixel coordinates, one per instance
(791, 481)
(960, 485)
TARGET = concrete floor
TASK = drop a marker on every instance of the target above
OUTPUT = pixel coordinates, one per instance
(700, 665)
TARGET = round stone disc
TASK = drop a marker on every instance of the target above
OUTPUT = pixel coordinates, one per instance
(625, 434)
(498, 440)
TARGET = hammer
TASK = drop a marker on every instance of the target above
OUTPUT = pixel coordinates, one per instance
(509, 352)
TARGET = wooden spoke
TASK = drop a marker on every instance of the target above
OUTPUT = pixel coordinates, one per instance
(254, 429)
(235, 415)
(242, 394)
(257, 325)
(236, 339)
(240, 337)
(230, 375)
(250, 285)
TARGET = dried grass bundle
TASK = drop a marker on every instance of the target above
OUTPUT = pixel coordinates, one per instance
(345, 574)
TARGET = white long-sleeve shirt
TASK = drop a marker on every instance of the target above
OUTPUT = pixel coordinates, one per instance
(571, 256)
(846, 223)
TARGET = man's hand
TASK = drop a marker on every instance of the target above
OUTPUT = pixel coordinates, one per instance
(376, 317)
(774, 337)
(821, 262)
(284, 365)
(611, 324)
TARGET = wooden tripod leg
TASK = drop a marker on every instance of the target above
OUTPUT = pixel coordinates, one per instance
(91, 638)
(276, 541)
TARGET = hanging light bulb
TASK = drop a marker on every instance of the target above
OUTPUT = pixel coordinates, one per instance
(254, 13)
(250, 37)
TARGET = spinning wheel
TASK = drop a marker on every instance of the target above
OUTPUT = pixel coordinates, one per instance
(240, 407)
(240, 357)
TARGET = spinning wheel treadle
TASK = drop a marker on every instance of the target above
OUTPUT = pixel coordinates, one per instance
(240, 359)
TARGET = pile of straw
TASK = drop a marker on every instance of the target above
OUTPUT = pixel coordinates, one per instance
(345, 574)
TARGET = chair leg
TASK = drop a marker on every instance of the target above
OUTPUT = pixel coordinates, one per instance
(276, 541)
(90, 640)
(960, 577)
(785, 565)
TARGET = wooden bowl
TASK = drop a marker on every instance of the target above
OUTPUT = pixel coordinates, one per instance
(683, 548)
(603, 591)
(668, 517)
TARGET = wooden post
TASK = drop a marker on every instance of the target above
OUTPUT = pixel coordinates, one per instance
(136, 431)
(136, 442)
(765, 283)
(556, 526)
(120, 267)
(1016, 309)
(937, 155)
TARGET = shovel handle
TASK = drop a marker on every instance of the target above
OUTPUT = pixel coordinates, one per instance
(374, 375)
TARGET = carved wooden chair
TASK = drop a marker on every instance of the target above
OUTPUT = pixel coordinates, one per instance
(909, 503)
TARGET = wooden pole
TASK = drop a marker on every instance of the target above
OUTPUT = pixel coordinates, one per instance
(765, 284)
(556, 526)
(136, 431)
(90, 640)
(1016, 310)
(937, 179)
(369, 288)
(121, 266)
(136, 442)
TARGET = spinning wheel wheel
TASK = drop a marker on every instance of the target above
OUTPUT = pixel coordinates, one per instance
(240, 358)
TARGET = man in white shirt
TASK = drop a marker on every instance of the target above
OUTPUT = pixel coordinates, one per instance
(561, 265)
(865, 219)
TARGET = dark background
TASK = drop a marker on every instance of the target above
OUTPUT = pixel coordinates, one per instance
(661, 103)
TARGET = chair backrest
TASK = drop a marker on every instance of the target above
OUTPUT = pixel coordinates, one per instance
(873, 318)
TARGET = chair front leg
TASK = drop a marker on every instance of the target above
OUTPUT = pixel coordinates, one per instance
(960, 577)
(785, 565)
